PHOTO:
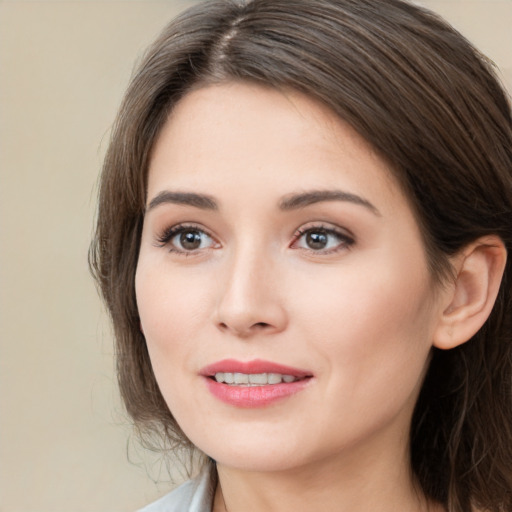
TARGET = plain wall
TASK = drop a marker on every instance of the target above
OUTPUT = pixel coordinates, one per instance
(65, 444)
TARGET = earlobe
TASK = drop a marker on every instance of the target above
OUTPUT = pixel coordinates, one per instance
(470, 298)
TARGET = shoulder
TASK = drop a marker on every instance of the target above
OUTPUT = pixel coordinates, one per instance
(196, 495)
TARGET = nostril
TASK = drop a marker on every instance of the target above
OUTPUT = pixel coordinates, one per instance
(243, 331)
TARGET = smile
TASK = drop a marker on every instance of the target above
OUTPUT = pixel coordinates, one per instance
(253, 379)
(255, 383)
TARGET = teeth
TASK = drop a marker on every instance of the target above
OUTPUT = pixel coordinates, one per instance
(253, 379)
(258, 378)
(241, 378)
(274, 378)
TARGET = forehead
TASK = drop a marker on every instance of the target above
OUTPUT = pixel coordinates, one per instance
(252, 135)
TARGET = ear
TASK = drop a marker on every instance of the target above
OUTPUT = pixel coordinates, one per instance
(470, 298)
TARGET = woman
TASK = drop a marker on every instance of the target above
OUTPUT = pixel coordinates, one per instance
(304, 218)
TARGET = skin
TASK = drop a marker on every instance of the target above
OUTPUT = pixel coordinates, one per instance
(360, 316)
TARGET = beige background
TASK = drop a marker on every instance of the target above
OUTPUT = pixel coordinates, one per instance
(64, 442)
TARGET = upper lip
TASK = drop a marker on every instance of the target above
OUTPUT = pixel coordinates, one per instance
(252, 367)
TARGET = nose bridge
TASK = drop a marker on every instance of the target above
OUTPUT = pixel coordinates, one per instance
(249, 301)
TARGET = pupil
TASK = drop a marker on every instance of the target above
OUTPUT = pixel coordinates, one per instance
(316, 240)
(190, 240)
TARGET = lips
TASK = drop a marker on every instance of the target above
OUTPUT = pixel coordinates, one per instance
(252, 367)
(254, 383)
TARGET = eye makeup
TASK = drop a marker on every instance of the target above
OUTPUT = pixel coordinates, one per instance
(185, 239)
(322, 239)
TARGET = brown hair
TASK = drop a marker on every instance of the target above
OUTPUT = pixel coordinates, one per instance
(431, 105)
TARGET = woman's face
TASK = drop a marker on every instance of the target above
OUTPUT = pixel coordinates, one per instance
(277, 244)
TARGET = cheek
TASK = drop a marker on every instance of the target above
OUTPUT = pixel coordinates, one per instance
(172, 309)
(373, 326)
(171, 305)
(387, 295)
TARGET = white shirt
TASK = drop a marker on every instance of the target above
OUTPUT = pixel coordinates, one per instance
(196, 495)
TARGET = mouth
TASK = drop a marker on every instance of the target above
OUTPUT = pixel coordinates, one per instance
(253, 379)
(257, 372)
(255, 383)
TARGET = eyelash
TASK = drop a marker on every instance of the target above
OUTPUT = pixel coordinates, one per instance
(345, 241)
(168, 234)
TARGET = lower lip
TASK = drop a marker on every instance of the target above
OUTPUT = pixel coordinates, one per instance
(254, 396)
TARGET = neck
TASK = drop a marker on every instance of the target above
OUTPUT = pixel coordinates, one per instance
(354, 484)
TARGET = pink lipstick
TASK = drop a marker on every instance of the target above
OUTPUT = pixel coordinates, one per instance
(254, 383)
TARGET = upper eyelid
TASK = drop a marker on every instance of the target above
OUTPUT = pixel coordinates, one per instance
(326, 226)
(345, 237)
(165, 235)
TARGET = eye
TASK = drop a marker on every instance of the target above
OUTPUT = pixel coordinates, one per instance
(321, 239)
(186, 239)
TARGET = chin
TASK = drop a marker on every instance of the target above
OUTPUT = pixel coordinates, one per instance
(257, 461)
(257, 453)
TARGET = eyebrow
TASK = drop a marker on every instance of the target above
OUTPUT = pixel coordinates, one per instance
(296, 201)
(290, 202)
(201, 201)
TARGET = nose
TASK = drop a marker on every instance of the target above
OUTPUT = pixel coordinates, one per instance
(250, 297)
